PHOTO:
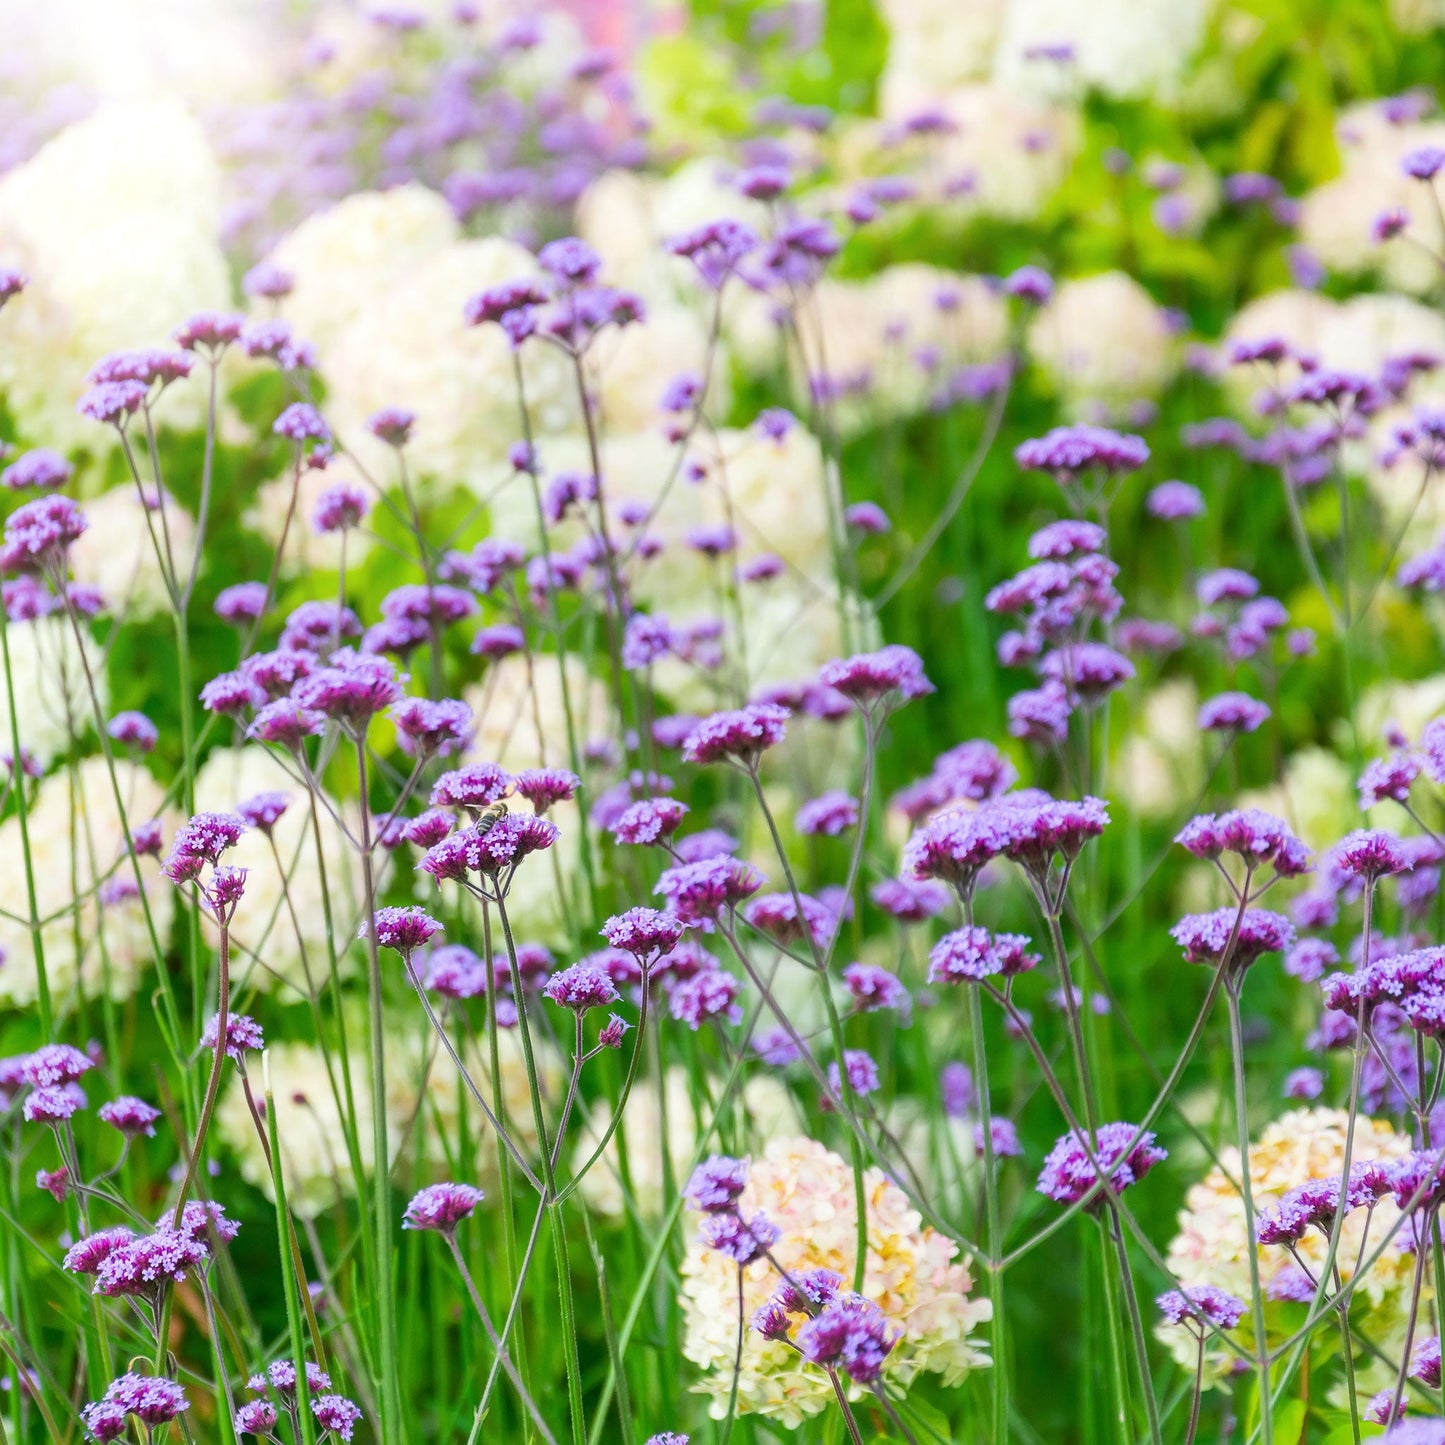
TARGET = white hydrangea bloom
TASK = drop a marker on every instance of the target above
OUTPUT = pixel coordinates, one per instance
(115, 221)
(911, 1272)
(409, 345)
(1337, 218)
(899, 330)
(1126, 48)
(629, 369)
(1212, 1246)
(117, 550)
(1104, 340)
(1007, 155)
(76, 847)
(47, 673)
(521, 714)
(935, 45)
(345, 257)
(272, 950)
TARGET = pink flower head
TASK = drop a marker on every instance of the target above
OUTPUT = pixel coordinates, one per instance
(340, 507)
(242, 1033)
(716, 1184)
(351, 690)
(428, 729)
(972, 954)
(132, 1116)
(474, 787)
(402, 929)
(867, 677)
(52, 1065)
(441, 1207)
(741, 735)
(286, 723)
(544, 788)
(699, 891)
(1205, 937)
(581, 987)
(1125, 1153)
(646, 933)
(649, 822)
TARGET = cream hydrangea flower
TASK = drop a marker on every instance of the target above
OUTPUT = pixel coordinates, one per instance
(115, 221)
(273, 950)
(896, 330)
(409, 345)
(1337, 218)
(665, 1120)
(76, 844)
(53, 699)
(117, 550)
(1212, 1245)
(521, 713)
(344, 257)
(911, 1272)
(1104, 340)
(935, 45)
(1126, 48)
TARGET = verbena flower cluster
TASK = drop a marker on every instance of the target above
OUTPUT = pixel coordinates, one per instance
(722, 721)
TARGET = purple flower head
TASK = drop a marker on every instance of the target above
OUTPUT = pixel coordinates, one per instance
(351, 690)
(88, 1254)
(544, 788)
(1425, 1366)
(740, 735)
(1232, 712)
(571, 261)
(39, 533)
(1003, 1139)
(1031, 284)
(1368, 853)
(1389, 778)
(716, 248)
(145, 1265)
(337, 1414)
(286, 723)
(264, 811)
(1423, 163)
(649, 822)
(850, 1333)
(53, 1104)
(1068, 1174)
(611, 1034)
(402, 929)
(152, 1399)
(301, 422)
(1203, 1304)
(699, 891)
(1304, 1083)
(868, 519)
(280, 1376)
(869, 676)
(1068, 451)
(392, 425)
(428, 729)
(268, 280)
(473, 787)
(113, 402)
(862, 1074)
(716, 1184)
(209, 330)
(455, 972)
(873, 987)
(1174, 502)
(1253, 835)
(646, 933)
(340, 507)
(710, 993)
(225, 891)
(41, 470)
(132, 1116)
(441, 1207)
(581, 987)
(54, 1065)
(207, 836)
(501, 640)
(740, 1240)
(256, 1417)
(1205, 937)
(242, 1033)
(511, 839)
(135, 730)
(972, 954)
